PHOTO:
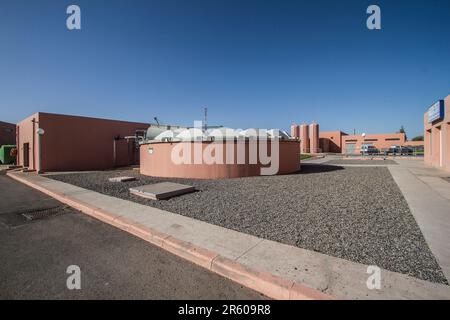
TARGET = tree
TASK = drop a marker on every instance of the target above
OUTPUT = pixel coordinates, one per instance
(402, 130)
(418, 138)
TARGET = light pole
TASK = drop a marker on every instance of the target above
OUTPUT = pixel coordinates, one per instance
(40, 132)
(363, 135)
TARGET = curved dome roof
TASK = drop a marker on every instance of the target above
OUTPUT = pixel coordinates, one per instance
(223, 133)
(153, 132)
(277, 133)
(191, 134)
(254, 133)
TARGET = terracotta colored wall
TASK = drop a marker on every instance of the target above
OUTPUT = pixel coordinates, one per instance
(25, 130)
(78, 143)
(433, 134)
(314, 138)
(331, 141)
(7, 133)
(304, 138)
(159, 163)
(380, 143)
(414, 143)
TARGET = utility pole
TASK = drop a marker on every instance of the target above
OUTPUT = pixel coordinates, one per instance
(205, 111)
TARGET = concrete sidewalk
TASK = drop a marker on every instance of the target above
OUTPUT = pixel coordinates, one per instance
(274, 269)
(428, 197)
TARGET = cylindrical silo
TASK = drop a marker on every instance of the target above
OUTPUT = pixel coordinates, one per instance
(304, 138)
(314, 138)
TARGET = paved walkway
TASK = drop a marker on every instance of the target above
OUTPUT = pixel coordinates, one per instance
(337, 277)
(428, 196)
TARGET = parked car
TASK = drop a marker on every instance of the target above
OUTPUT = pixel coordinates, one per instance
(365, 149)
(400, 150)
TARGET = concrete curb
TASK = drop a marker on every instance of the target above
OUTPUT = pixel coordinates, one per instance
(266, 283)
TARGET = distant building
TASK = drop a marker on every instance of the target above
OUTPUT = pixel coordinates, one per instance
(352, 143)
(341, 142)
(331, 141)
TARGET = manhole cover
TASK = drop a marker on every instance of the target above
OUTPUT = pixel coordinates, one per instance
(18, 218)
(43, 213)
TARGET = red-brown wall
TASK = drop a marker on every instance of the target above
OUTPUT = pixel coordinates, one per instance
(77, 143)
(7, 133)
(331, 141)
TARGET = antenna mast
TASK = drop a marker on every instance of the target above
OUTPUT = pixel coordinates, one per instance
(205, 110)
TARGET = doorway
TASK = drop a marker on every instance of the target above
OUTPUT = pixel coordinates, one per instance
(26, 154)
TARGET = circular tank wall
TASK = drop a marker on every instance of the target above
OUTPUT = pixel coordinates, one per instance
(196, 159)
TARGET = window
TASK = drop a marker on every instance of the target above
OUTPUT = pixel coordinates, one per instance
(370, 139)
(392, 139)
(351, 140)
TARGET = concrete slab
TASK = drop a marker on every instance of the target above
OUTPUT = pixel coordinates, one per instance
(121, 179)
(162, 190)
(431, 211)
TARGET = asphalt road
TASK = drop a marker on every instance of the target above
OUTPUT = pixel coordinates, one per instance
(35, 254)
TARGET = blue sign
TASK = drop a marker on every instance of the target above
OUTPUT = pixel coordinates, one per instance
(436, 111)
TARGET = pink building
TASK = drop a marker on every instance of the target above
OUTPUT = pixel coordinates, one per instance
(331, 141)
(75, 143)
(352, 143)
(437, 134)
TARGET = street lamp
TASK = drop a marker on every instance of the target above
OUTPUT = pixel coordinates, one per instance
(40, 132)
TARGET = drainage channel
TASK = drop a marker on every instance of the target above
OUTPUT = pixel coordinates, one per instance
(22, 217)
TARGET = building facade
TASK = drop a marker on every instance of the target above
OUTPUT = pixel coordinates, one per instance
(7, 133)
(437, 134)
(75, 143)
(331, 141)
(351, 144)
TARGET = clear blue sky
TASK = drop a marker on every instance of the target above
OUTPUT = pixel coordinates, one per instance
(253, 63)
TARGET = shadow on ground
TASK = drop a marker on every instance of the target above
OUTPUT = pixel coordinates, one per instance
(308, 168)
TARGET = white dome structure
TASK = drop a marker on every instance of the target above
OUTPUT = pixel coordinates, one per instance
(222, 134)
(278, 134)
(191, 134)
(254, 133)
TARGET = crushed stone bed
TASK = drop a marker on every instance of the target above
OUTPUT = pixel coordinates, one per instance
(354, 213)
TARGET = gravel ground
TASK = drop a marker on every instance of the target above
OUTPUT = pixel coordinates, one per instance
(355, 213)
(360, 161)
